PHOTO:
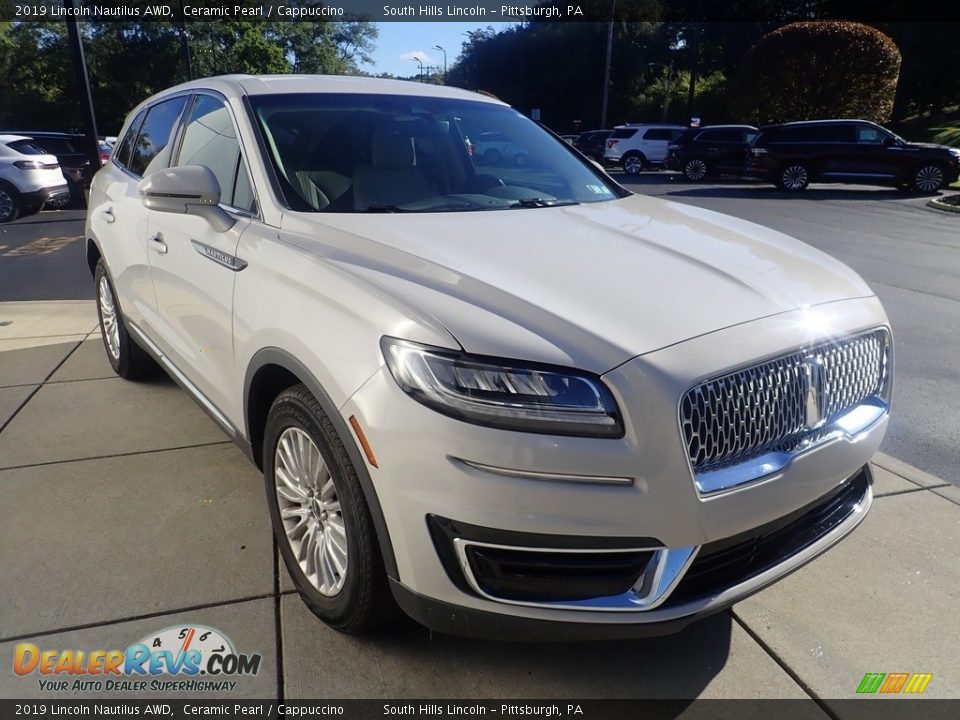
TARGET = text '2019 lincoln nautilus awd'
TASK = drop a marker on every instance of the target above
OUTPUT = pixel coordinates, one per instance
(513, 399)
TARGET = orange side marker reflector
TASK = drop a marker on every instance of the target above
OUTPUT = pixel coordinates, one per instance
(368, 451)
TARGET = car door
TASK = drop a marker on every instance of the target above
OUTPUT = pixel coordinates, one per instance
(120, 220)
(194, 265)
(879, 153)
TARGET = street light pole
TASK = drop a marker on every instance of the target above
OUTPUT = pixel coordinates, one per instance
(83, 88)
(438, 47)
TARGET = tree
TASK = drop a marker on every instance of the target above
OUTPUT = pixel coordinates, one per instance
(815, 70)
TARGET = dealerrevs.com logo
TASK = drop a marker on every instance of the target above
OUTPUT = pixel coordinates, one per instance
(200, 658)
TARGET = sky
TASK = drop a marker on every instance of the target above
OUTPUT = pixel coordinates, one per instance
(399, 41)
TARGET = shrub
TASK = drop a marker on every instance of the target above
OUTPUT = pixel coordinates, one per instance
(816, 70)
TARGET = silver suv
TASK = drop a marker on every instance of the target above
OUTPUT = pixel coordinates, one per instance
(635, 147)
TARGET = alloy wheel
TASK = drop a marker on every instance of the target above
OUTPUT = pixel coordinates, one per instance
(795, 177)
(929, 178)
(633, 165)
(108, 315)
(310, 511)
(6, 205)
(695, 169)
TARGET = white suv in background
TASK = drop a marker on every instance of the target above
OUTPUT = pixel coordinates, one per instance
(635, 147)
(516, 402)
(29, 177)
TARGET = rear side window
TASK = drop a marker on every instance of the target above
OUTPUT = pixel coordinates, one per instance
(658, 134)
(152, 149)
(25, 147)
(730, 135)
(125, 146)
(623, 133)
(58, 146)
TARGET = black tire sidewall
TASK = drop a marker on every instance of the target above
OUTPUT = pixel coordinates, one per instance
(15, 199)
(292, 410)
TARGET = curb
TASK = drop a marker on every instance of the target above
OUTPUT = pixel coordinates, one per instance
(938, 204)
(938, 486)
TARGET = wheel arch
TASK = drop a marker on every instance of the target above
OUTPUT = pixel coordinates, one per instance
(92, 254)
(271, 371)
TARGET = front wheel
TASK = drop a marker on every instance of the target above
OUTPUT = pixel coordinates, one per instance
(320, 518)
(794, 178)
(9, 203)
(127, 359)
(928, 179)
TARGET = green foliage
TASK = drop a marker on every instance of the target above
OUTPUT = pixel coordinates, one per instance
(947, 135)
(129, 61)
(814, 70)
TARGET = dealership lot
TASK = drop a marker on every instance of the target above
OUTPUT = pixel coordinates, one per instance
(126, 511)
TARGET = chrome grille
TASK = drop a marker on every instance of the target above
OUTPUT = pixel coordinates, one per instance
(763, 408)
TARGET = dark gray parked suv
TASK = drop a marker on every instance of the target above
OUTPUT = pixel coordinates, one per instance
(796, 154)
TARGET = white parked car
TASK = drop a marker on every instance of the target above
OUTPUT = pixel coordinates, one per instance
(635, 147)
(554, 409)
(29, 177)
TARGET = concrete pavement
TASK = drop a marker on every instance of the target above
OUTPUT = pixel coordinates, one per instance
(124, 510)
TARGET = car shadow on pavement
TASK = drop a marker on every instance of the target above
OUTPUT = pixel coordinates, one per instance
(411, 661)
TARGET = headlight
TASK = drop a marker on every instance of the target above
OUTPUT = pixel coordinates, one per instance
(503, 393)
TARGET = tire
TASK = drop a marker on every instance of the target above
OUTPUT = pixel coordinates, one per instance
(794, 177)
(329, 499)
(633, 163)
(128, 360)
(521, 159)
(491, 156)
(9, 203)
(928, 178)
(695, 169)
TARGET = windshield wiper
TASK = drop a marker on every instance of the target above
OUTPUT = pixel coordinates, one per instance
(385, 209)
(538, 202)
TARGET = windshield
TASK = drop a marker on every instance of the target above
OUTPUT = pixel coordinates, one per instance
(376, 153)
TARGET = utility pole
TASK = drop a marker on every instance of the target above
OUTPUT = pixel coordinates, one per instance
(185, 43)
(83, 89)
(606, 68)
(694, 61)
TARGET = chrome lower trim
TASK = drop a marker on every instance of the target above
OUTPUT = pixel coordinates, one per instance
(665, 570)
(182, 380)
(544, 476)
(849, 426)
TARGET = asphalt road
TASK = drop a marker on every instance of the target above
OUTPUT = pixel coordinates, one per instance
(908, 253)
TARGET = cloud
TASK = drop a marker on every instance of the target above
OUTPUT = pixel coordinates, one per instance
(418, 55)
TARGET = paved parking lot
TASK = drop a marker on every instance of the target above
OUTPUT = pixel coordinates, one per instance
(124, 510)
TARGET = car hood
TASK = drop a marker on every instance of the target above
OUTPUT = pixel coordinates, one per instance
(590, 285)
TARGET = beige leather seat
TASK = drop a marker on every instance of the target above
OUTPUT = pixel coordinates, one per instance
(393, 177)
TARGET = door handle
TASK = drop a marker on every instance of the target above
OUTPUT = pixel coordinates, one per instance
(107, 215)
(157, 244)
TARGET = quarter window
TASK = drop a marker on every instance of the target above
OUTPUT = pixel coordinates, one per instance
(152, 150)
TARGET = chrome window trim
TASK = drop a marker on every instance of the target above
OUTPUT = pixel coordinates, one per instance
(665, 569)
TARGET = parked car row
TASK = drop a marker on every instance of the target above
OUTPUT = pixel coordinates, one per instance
(73, 165)
(790, 155)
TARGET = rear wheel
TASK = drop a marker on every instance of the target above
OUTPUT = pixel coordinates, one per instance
(633, 163)
(794, 177)
(491, 156)
(695, 170)
(127, 359)
(928, 178)
(321, 521)
(9, 203)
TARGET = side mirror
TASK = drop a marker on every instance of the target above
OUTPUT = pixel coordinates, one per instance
(187, 190)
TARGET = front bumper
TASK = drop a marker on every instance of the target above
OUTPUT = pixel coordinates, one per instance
(573, 491)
